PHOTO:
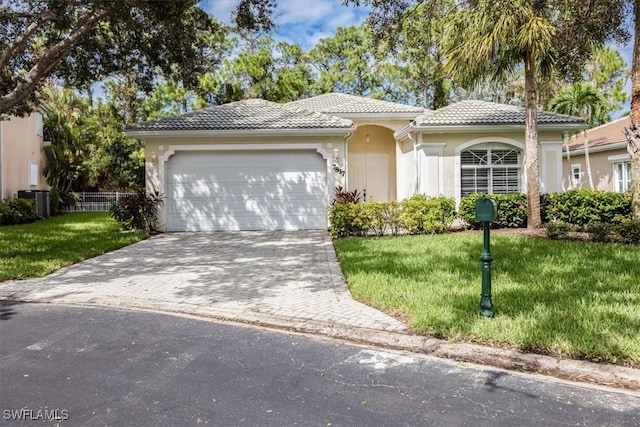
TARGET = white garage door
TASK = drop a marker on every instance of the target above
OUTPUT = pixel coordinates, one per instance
(247, 190)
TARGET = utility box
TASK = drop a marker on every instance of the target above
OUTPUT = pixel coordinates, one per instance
(486, 210)
(42, 200)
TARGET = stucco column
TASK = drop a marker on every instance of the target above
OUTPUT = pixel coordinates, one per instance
(431, 168)
(550, 166)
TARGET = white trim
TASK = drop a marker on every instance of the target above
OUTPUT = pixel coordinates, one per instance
(173, 148)
(235, 133)
(484, 140)
(434, 149)
(574, 166)
(617, 158)
(546, 147)
(596, 149)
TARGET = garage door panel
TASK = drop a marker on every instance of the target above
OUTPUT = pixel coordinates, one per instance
(247, 191)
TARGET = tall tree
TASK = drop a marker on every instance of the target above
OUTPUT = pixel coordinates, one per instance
(608, 73)
(421, 48)
(86, 41)
(346, 62)
(633, 132)
(583, 100)
(486, 38)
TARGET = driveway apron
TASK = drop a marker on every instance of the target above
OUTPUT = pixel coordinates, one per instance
(280, 278)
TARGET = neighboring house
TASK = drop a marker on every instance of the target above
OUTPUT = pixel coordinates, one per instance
(22, 159)
(256, 164)
(610, 161)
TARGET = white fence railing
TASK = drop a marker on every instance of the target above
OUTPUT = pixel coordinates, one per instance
(95, 202)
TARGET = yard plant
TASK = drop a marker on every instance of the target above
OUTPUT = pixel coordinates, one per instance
(563, 298)
(40, 248)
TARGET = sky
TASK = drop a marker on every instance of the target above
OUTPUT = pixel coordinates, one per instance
(305, 22)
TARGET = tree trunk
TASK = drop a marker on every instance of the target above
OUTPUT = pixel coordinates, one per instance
(565, 137)
(587, 162)
(531, 163)
(633, 132)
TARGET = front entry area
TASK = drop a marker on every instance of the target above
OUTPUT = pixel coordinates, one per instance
(369, 174)
(247, 190)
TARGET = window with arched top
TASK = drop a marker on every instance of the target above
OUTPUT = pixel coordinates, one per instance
(490, 168)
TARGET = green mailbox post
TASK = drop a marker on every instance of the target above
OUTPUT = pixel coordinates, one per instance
(486, 212)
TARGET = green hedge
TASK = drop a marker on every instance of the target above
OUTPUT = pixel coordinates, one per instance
(585, 207)
(512, 210)
(417, 215)
(18, 211)
(627, 232)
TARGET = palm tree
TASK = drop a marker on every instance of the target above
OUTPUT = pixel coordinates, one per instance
(484, 39)
(583, 100)
(633, 131)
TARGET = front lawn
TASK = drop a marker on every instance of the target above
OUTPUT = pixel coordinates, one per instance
(563, 298)
(42, 247)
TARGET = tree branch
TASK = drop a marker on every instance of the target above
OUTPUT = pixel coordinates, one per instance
(22, 40)
(45, 64)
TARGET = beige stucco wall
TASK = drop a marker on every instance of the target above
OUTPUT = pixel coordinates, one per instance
(159, 150)
(438, 160)
(21, 146)
(601, 169)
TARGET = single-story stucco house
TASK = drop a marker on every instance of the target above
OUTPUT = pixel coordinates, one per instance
(255, 164)
(610, 161)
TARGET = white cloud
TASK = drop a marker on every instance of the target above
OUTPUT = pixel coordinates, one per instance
(302, 22)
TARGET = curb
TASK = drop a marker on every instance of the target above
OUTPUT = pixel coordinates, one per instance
(567, 369)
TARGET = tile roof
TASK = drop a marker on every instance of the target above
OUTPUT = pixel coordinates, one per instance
(470, 113)
(341, 103)
(607, 134)
(250, 114)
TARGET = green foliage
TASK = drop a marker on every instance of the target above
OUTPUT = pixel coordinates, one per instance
(137, 211)
(585, 206)
(627, 232)
(558, 230)
(512, 210)
(564, 298)
(418, 215)
(18, 211)
(42, 247)
(55, 202)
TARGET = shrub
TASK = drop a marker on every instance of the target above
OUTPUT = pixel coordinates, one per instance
(512, 210)
(423, 215)
(586, 207)
(602, 232)
(630, 232)
(418, 215)
(558, 230)
(55, 202)
(340, 195)
(137, 211)
(19, 211)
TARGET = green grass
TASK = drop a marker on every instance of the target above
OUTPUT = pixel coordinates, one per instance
(563, 298)
(42, 247)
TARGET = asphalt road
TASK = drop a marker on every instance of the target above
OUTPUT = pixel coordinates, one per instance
(95, 367)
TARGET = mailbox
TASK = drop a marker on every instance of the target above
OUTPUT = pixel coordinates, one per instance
(486, 210)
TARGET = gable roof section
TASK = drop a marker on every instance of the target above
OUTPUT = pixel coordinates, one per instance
(604, 136)
(249, 115)
(482, 113)
(345, 105)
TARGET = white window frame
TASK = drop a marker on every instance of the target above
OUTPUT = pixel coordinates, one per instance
(491, 167)
(576, 173)
(620, 184)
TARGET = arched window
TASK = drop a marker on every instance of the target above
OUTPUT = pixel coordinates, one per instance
(490, 168)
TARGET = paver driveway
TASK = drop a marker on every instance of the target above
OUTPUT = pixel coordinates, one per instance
(274, 277)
